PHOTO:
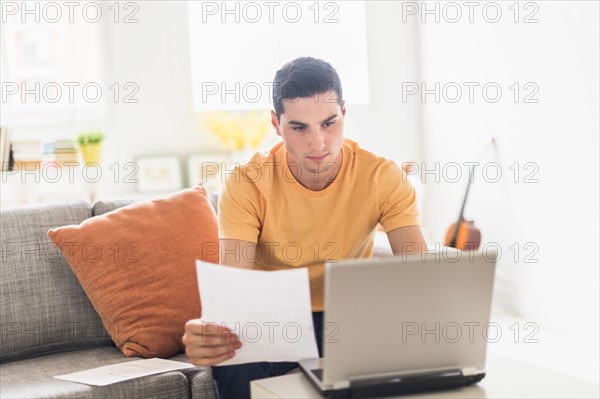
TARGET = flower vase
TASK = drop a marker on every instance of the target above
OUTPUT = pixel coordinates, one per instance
(91, 153)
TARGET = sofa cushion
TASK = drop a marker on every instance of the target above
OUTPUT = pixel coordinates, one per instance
(34, 378)
(202, 385)
(101, 207)
(137, 266)
(43, 307)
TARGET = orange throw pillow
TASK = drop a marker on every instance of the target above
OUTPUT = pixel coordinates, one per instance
(137, 266)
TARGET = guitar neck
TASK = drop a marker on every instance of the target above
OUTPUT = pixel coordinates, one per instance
(464, 202)
(462, 209)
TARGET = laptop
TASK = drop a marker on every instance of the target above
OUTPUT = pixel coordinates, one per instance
(404, 324)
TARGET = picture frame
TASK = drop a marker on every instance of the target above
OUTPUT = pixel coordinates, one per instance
(209, 169)
(158, 174)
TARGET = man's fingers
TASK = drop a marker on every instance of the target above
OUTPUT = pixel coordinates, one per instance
(208, 344)
(199, 327)
(216, 340)
(209, 340)
(210, 351)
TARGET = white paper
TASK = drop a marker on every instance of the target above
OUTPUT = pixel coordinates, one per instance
(270, 311)
(124, 371)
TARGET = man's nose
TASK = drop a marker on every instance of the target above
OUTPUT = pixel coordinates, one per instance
(317, 139)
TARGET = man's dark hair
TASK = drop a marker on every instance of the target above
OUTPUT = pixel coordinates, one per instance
(304, 77)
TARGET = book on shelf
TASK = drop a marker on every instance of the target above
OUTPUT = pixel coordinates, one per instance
(27, 154)
(60, 151)
(34, 154)
(5, 148)
(11, 159)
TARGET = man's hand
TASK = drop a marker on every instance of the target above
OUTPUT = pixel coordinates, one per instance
(207, 344)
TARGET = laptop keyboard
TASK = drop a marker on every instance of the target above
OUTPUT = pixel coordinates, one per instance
(318, 373)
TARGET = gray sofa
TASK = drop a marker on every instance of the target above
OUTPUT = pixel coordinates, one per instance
(48, 326)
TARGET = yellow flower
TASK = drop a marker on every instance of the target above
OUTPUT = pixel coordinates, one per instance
(237, 131)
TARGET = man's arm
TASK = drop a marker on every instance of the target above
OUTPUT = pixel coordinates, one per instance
(238, 253)
(407, 240)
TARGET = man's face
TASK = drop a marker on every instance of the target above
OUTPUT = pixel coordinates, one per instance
(312, 129)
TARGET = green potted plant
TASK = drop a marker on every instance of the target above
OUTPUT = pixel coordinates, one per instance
(90, 144)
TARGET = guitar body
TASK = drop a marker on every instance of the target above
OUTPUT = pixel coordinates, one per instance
(464, 236)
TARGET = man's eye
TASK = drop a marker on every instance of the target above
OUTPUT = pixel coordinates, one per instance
(299, 128)
(327, 124)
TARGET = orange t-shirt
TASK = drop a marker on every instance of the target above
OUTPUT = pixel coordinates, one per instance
(293, 226)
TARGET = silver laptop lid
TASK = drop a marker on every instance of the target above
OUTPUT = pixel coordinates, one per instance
(415, 313)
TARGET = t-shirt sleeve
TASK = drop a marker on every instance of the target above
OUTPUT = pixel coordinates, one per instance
(397, 198)
(239, 209)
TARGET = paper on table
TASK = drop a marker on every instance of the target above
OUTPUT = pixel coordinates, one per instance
(270, 311)
(124, 371)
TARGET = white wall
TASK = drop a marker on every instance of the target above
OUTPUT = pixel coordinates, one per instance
(387, 126)
(559, 214)
(153, 53)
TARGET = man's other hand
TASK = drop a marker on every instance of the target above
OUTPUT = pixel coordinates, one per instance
(207, 344)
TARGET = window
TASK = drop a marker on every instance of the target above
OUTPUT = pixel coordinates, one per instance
(51, 68)
(236, 47)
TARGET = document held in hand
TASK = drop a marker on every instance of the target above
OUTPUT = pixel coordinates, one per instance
(270, 311)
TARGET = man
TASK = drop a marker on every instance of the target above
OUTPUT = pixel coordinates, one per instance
(313, 198)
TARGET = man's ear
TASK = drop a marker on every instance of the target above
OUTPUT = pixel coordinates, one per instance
(344, 107)
(275, 123)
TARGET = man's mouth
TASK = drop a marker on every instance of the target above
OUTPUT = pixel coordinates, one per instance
(318, 158)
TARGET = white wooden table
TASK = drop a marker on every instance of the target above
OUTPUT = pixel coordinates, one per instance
(506, 378)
